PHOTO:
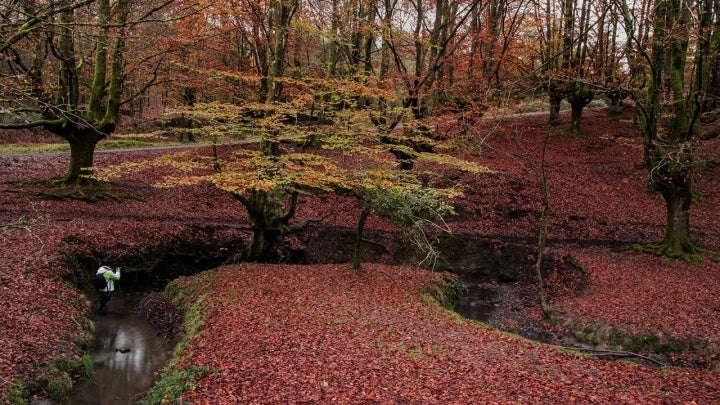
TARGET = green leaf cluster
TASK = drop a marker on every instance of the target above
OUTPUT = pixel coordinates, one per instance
(406, 202)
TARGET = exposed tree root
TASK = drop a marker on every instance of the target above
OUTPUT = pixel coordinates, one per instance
(688, 252)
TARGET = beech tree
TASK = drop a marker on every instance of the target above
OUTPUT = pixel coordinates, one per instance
(51, 81)
(269, 184)
(494, 25)
(299, 106)
(351, 37)
(564, 33)
(420, 55)
(673, 78)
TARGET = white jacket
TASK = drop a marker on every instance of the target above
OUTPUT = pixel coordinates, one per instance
(109, 276)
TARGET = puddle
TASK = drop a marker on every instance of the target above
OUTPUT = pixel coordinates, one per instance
(126, 354)
(477, 304)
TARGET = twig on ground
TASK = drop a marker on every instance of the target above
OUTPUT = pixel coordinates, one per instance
(612, 353)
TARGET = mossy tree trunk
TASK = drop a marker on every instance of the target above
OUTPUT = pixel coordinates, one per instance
(579, 98)
(678, 73)
(566, 56)
(269, 212)
(83, 132)
(616, 97)
(672, 161)
(266, 208)
(576, 111)
(280, 16)
(678, 198)
(556, 98)
(105, 93)
(82, 153)
(577, 95)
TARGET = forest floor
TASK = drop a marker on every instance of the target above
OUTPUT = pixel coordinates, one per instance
(318, 333)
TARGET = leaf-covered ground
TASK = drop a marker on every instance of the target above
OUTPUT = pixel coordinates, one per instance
(319, 333)
(301, 334)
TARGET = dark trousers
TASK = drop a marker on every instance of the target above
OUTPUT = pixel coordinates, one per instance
(104, 300)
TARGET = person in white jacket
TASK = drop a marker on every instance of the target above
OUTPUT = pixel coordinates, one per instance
(110, 277)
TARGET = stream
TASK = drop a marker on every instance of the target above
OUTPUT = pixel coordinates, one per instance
(507, 307)
(127, 352)
(478, 303)
(126, 355)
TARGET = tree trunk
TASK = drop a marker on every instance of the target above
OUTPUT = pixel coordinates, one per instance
(82, 152)
(676, 165)
(616, 101)
(555, 99)
(678, 198)
(668, 152)
(261, 245)
(576, 111)
(269, 220)
(281, 14)
(356, 264)
(263, 209)
(413, 101)
(579, 97)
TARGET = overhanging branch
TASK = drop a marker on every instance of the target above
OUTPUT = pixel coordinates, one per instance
(34, 124)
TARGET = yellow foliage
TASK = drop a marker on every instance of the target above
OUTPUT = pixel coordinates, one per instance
(447, 160)
(315, 147)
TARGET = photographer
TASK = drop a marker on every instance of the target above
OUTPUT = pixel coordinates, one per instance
(105, 293)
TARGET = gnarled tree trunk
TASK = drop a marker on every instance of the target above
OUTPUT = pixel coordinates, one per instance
(672, 178)
(670, 108)
(579, 98)
(82, 153)
(677, 240)
(269, 220)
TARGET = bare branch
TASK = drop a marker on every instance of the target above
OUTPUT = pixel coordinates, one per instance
(34, 22)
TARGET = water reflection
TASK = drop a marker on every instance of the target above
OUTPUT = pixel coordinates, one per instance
(126, 354)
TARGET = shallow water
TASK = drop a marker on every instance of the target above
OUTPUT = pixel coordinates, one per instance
(126, 355)
(477, 304)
